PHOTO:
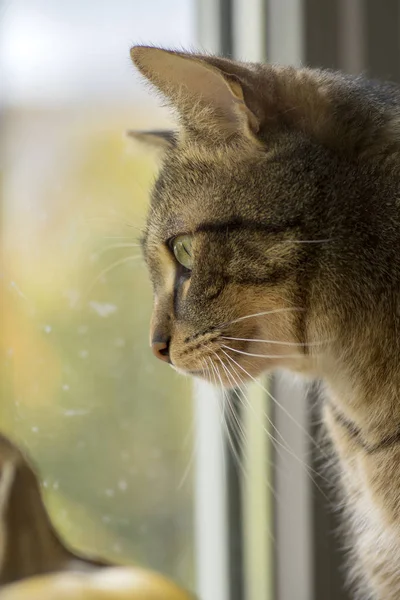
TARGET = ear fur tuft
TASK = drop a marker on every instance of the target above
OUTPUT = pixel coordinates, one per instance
(210, 102)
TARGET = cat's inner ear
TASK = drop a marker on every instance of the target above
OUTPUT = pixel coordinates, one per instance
(156, 138)
(208, 100)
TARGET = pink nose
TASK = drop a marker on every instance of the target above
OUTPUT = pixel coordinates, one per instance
(160, 348)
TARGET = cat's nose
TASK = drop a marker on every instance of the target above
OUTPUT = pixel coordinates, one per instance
(160, 348)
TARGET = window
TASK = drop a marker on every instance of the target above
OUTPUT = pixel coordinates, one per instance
(109, 428)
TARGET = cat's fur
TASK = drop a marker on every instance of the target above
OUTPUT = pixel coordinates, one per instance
(289, 182)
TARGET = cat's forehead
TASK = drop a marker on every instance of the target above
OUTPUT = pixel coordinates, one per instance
(188, 191)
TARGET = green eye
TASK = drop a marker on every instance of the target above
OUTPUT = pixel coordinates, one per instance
(182, 248)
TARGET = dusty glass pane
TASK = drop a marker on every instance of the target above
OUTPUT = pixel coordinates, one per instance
(109, 428)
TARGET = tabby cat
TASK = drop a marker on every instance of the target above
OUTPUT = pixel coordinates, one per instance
(273, 240)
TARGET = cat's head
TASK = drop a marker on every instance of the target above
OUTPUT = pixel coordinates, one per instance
(235, 229)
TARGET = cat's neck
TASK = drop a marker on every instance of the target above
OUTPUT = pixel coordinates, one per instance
(364, 385)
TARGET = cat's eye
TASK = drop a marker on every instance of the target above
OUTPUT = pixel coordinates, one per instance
(182, 249)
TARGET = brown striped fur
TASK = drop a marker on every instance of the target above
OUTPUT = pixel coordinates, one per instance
(288, 182)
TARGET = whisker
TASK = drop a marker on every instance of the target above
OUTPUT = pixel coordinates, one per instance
(307, 468)
(262, 355)
(232, 380)
(107, 270)
(221, 410)
(284, 410)
(215, 383)
(294, 344)
(321, 241)
(115, 264)
(118, 237)
(116, 246)
(284, 443)
(227, 429)
(189, 464)
(285, 446)
(193, 451)
(259, 314)
(115, 219)
(236, 384)
(212, 372)
(243, 396)
(235, 432)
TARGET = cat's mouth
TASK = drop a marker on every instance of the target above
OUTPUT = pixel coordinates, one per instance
(235, 352)
(208, 358)
(232, 359)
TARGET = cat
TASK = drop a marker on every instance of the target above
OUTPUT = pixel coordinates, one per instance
(273, 241)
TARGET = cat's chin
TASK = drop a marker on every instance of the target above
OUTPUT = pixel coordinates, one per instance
(199, 374)
(188, 372)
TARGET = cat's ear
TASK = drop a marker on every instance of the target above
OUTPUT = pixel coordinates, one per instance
(158, 138)
(210, 102)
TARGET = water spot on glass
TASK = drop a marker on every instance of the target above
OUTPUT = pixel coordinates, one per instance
(65, 387)
(72, 296)
(35, 429)
(83, 353)
(103, 309)
(16, 288)
(10, 351)
(110, 492)
(75, 412)
(56, 485)
(45, 483)
(47, 328)
(94, 257)
(124, 455)
(106, 519)
(119, 342)
(82, 329)
(117, 548)
(122, 485)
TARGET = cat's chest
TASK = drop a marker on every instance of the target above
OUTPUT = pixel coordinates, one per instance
(371, 501)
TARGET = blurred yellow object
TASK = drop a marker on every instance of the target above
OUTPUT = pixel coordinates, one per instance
(116, 583)
(36, 565)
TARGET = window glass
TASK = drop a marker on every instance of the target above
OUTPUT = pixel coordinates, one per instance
(109, 428)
